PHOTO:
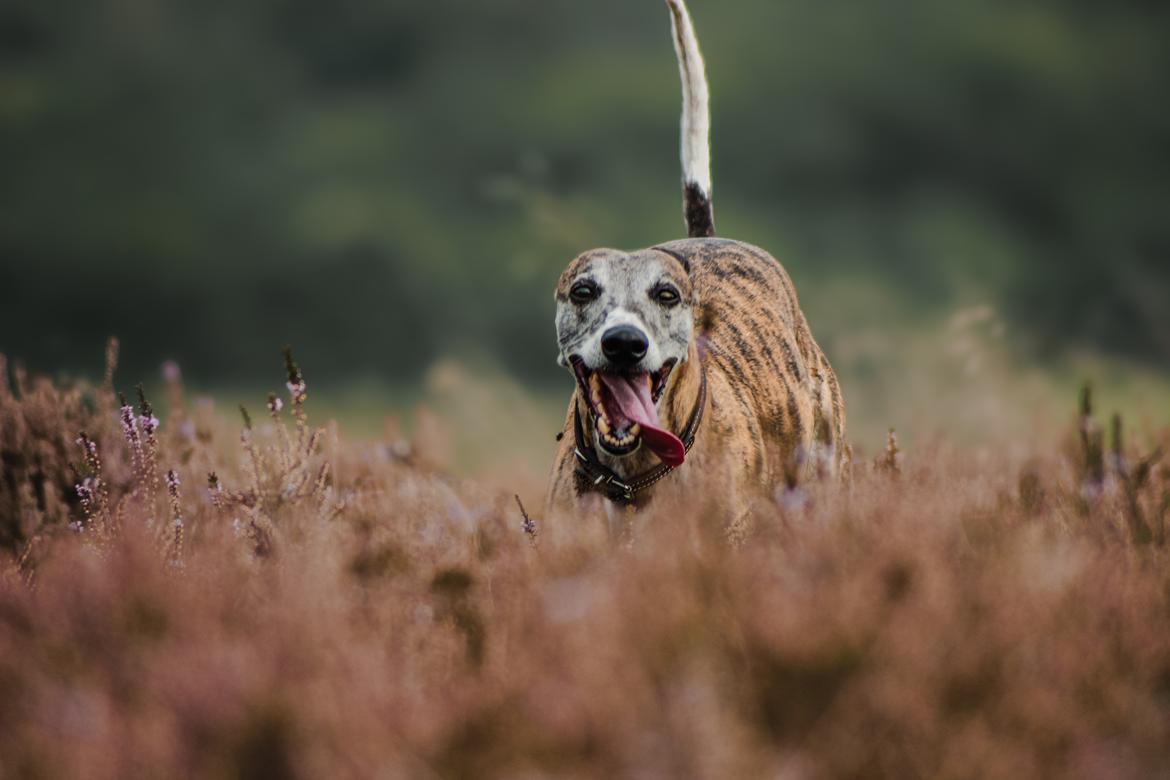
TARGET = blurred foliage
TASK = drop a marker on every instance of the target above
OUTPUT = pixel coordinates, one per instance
(381, 183)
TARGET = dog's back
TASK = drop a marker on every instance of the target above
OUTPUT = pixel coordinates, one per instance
(750, 329)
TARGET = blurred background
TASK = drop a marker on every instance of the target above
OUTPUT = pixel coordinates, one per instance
(973, 197)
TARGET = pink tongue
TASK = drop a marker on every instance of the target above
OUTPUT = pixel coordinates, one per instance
(632, 397)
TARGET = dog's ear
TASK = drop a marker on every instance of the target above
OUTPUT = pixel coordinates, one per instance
(683, 260)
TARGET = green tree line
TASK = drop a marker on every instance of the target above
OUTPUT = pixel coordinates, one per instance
(379, 183)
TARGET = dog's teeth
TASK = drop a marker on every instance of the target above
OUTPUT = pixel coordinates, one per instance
(594, 383)
(603, 425)
(635, 429)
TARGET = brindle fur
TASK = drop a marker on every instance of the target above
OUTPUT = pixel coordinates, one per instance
(773, 399)
(773, 408)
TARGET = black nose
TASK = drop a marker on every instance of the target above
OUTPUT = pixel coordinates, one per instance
(624, 345)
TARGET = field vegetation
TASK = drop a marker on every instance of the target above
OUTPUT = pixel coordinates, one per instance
(188, 594)
(971, 199)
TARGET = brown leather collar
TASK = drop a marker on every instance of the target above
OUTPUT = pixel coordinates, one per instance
(592, 474)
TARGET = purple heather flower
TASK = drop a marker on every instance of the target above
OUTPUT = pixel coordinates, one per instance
(1118, 463)
(792, 499)
(128, 422)
(1092, 490)
(88, 444)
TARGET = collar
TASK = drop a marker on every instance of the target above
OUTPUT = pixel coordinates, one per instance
(592, 474)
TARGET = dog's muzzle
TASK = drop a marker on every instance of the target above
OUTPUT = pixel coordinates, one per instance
(622, 401)
(624, 345)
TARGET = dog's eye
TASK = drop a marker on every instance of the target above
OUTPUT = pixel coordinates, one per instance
(666, 295)
(583, 292)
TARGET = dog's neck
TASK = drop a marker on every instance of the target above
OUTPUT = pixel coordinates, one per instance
(674, 410)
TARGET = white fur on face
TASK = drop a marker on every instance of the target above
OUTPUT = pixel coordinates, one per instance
(627, 285)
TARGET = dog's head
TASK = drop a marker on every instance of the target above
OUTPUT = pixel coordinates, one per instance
(624, 322)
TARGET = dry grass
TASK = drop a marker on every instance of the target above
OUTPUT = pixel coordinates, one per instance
(321, 609)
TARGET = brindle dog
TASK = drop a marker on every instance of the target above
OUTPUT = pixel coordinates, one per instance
(692, 350)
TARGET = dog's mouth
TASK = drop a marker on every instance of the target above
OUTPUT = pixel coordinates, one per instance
(623, 411)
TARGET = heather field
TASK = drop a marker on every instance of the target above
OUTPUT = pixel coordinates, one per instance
(202, 594)
(238, 570)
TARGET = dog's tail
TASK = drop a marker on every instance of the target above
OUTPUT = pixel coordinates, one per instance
(696, 124)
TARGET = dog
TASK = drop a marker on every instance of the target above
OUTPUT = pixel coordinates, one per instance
(694, 350)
